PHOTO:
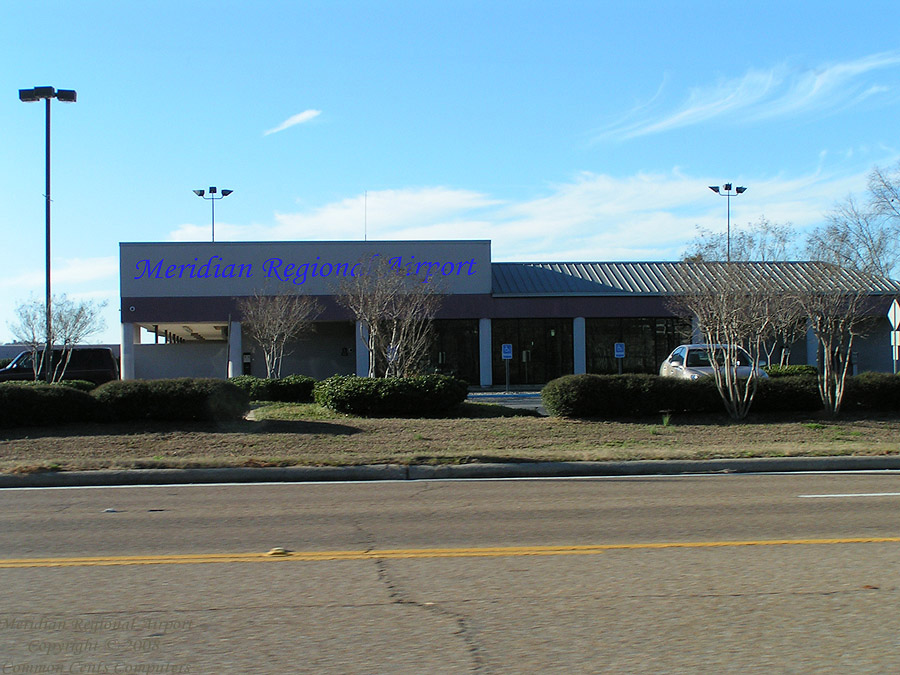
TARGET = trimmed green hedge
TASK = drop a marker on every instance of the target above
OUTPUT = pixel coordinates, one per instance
(872, 391)
(82, 385)
(182, 399)
(257, 388)
(23, 405)
(798, 393)
(611, 396)
(789, 371)
(422, 396)
(292, 388)
(617, 396)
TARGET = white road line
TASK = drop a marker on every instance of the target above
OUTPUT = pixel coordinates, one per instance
(630, 477)
(851, 495)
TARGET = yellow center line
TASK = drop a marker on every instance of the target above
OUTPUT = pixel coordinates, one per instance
(485, 552)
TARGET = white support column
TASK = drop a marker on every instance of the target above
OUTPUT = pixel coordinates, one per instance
(484, 352)
(579, 345)
(131, 335)
(362, 351)
(235, 350)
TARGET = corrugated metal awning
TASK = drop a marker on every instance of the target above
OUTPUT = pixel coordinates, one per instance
(671, 278)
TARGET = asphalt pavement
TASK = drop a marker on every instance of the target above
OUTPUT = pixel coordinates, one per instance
(684, 574)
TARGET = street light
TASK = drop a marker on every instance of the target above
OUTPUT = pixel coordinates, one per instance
(212, 200)
(30, 96)
(728, 193)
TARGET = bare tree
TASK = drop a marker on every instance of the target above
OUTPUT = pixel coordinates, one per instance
(762, 241)
(859, 237)
(732, 306)
(839, 313)
(397, 312)
(30, 330)
(789, 326)
(274, 320)
(884, 192)
(864, 234)
(857, 248)
(72, 322)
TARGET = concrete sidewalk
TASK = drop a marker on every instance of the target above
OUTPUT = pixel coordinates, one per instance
(448, 471)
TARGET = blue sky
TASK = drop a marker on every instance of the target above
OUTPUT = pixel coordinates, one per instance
(559, 130)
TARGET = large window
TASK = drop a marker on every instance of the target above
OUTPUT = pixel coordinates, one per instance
(542, 350)
(648, 341)
(455, 349)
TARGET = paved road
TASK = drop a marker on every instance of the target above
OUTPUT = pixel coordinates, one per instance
(569, 576)
(527, 400)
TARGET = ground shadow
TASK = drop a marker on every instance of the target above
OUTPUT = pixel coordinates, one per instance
(158, 427)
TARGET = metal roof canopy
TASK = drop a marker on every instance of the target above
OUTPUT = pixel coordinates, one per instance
(668, 278)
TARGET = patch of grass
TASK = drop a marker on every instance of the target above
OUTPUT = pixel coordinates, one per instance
(473, 410)
(286, 434)
(275, 410)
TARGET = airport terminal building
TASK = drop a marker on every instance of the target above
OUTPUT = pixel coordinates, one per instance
(560, 318)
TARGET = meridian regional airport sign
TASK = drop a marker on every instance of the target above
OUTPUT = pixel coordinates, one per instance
(207, 269)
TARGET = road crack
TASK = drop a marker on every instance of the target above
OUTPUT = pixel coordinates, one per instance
(465, 631)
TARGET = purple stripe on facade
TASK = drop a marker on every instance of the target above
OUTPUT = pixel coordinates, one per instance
(218, 309)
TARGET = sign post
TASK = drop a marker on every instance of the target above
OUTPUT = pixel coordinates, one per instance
(506, 352)
(620, 354)
(894, 316)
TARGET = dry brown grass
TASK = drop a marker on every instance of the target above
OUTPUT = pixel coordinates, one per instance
(288, 435)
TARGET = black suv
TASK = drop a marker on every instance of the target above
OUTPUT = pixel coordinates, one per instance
(95, 364)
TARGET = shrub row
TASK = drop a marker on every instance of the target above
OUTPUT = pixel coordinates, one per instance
(83, 385)
(423, 396)
(192, 399)
(787, 371)
(45, 404)
(185, 399)
(872, 391)
(614, 396)
(292, 388)
(181, 399)
(611, 396)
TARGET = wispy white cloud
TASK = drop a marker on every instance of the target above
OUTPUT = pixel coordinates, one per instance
(378, 214)
(94, 279)
(65, 272)
(294, 120)
(780, 91)
(646, 216)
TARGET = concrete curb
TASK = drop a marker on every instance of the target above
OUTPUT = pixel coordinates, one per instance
(446, 471)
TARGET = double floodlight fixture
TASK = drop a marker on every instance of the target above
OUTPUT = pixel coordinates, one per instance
(725, 191)
(40, 93)
(727, 188)
(212, 191)
(211, 196)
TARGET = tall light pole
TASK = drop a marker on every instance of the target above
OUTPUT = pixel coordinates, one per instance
(29, 96)
(212, 200)
(728, 193)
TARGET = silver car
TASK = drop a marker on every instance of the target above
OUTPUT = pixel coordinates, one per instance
(691, 362)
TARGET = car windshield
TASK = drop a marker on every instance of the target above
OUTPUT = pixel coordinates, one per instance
(700, 358)
(23, 360)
